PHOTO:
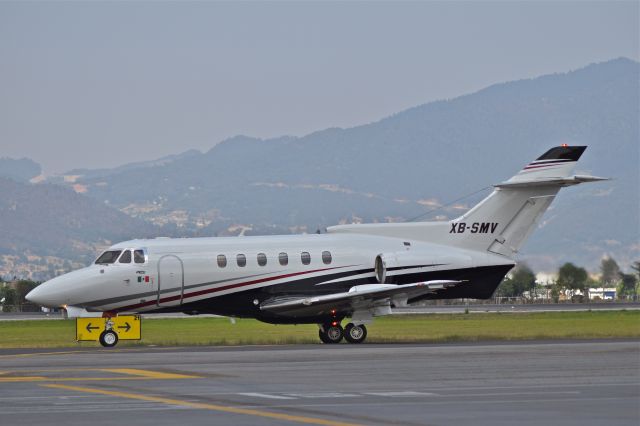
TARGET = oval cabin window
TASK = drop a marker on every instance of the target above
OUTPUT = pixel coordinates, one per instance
(222, 260)
(242, 260)
(305, 257)
(326, 257)
(262, 259)
(283, 258)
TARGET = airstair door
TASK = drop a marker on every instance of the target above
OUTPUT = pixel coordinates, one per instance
(170, 281)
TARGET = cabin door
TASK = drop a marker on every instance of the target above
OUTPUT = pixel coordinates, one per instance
(170, 281)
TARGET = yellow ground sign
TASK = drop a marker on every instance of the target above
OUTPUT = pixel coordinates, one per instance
(127, 327)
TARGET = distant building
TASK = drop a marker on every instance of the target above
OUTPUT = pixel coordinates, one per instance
(606, 293)
(11, 284)
(546, 277)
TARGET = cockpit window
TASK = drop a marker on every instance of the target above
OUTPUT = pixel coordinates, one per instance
(138, 256)
(126, 257)
(108, 256)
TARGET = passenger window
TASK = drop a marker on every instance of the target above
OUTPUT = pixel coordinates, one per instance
(305, 257)
(222, 260)
(138, 256)
(126, 257)
(283, 258)
(242, 260)
(326, 257)
(108, 257)
(262, 259)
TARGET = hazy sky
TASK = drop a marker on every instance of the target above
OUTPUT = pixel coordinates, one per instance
(101, 84)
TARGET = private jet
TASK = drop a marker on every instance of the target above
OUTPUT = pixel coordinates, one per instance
(354, 272)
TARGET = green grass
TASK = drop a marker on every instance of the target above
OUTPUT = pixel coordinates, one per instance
(394, 329)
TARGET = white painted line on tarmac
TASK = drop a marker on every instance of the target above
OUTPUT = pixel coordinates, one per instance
(265, 395)
(401, 394)
(324, 395)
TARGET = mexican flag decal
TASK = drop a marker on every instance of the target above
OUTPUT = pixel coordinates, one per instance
(144, 279)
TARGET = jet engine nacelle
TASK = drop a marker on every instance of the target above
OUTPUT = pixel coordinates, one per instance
(381, 268)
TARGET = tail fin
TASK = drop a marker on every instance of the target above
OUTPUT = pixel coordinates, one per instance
(502, 222)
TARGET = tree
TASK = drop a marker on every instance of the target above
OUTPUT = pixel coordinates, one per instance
(23, 287)
(505, 289)
(610, 272)
(636, 267)
(9, 296)
(627, 285)
(555, 292)
(523, 279)
(517, 282)
(572, 277)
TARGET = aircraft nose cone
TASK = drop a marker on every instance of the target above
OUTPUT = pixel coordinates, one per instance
(38, 295)
(45, 295)
(62, 290)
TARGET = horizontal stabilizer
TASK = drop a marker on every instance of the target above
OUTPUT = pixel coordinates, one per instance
(551, 181)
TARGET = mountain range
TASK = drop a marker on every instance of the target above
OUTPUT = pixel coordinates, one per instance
(419, 162)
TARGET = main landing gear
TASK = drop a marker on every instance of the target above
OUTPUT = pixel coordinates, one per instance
(355, 333)
(333, 333)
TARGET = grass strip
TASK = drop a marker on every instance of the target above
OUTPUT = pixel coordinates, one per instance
(421, 328)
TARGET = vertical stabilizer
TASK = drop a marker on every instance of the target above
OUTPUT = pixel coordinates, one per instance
(502, 222)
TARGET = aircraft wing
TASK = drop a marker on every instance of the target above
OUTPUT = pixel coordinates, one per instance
(360, 297)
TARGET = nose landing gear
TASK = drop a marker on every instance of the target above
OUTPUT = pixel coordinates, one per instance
(108, 338)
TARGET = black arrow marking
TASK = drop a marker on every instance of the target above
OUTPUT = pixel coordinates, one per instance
(126, 326)
(89, 328)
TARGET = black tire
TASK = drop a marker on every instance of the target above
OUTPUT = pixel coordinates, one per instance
(355, 333)
(109, 338)
(331, 333)
(323, 337)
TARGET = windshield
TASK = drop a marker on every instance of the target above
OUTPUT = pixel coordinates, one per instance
(108, 256)
(138, 256)
(126, 257)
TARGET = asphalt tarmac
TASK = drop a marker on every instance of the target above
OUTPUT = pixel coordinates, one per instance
(533, 383)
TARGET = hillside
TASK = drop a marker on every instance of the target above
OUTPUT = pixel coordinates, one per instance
(46, 228)
(406, 164)
(23, 169)
(391, 170)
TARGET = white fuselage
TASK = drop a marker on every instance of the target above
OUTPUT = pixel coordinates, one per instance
(179, 273)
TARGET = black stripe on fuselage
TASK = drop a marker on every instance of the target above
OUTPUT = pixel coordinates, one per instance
(404, 268)
(479, 283)
(320, 278)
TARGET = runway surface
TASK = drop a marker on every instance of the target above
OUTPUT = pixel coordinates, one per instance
(571, 383)
(429, 309)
